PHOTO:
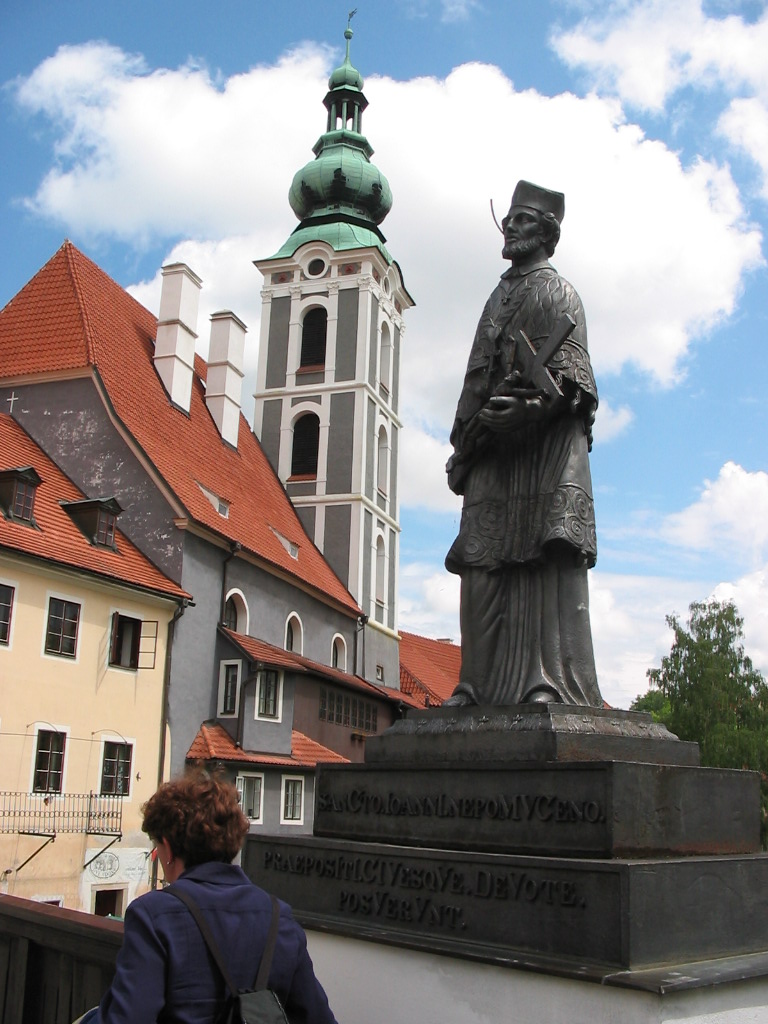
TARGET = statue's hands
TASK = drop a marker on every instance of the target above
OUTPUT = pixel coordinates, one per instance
(506, 413)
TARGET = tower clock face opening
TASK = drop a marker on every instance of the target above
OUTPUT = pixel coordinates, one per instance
(316, 267)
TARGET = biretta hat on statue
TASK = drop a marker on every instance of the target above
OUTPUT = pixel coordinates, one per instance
(537, 198)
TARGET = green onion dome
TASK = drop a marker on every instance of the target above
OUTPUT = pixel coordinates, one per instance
(341, 181)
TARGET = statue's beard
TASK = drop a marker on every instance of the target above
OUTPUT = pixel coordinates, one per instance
(518, 250)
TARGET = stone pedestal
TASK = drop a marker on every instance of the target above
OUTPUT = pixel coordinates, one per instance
(579, 842)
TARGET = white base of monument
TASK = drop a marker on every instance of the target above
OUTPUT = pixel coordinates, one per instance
(372, 983)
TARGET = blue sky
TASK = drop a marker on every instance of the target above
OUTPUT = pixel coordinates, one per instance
(145, 132)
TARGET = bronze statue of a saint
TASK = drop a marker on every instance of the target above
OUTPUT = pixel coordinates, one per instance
(521, 439)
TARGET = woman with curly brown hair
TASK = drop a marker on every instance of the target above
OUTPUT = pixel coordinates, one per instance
(163, 970)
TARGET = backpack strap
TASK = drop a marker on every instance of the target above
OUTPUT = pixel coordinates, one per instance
(266, 960)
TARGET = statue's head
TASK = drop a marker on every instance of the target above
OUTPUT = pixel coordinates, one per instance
(532, 226)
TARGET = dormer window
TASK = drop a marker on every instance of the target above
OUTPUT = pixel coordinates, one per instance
(105, 528)
(17, 494)
(96, 518)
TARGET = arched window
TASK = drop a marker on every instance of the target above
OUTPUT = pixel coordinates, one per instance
(293, 635)
(230, 614)
(339, 653)
(236, 612)
(385, 363)
(382, 479)
(380, 571)
(314, 331)
(306, 439)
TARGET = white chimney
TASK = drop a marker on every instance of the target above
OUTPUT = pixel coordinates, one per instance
(177, 323)
(223, 385)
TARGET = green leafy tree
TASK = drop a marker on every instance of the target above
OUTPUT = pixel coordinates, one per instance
(655, 702)
(707, 690)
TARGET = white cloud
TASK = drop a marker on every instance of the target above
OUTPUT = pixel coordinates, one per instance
(611, 422)
(731, 515)
(647, 51)
(423, 482)
(429, 601)
(175, 154)
(745, 125)
(205, 165)
(750, 595)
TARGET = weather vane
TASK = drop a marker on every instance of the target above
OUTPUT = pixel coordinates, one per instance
(351, 15)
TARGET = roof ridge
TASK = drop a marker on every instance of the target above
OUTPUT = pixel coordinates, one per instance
(69, 254)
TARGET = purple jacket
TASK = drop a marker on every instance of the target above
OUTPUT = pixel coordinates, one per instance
(163, 968)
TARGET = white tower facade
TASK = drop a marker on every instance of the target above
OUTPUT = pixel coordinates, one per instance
(327, 393)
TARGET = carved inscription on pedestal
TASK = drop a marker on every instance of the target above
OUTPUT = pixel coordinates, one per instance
(505, 809)
(506, 901)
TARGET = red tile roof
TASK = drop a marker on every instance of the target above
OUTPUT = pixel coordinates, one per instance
(72, 317)
(213, 743)
(429, 669)
(260, 650)
(56, 538)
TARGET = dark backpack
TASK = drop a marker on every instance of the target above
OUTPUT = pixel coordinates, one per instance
(257, 1005)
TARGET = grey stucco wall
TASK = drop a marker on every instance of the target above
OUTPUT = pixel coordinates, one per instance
(346, 334)
(370, 450)
(272, 800)
(373, 353)
(277, 351)
(391, 596)
(396, 369)
(340, 444)
(383, 650)
(338, 520)
(393, 476)
(270, 430)
(271, 600)
(68, 420)
(367, 568)
(307, 514)
(195, 667)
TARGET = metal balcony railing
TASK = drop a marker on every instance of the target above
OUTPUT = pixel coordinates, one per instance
(48, 814)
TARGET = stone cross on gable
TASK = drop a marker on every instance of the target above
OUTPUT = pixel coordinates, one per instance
(11, 401)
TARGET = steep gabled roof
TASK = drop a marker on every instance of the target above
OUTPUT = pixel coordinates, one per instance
(213, 743)
(429, 669)
(260, 651)
(71, 317)
(55, 537)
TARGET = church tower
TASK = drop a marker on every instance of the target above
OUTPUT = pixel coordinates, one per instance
(327, 389)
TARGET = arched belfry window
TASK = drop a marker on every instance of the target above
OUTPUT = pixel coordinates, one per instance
(382, 476)
(385, 363)
(306, 439)
(314, 331)
(381, 571)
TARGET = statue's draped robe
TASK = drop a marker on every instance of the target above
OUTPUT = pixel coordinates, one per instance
(527, 532)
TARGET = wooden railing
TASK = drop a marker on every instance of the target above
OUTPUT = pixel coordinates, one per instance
(54, 963)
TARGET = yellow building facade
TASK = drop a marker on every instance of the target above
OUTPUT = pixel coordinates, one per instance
(80, 742)
(84, 630)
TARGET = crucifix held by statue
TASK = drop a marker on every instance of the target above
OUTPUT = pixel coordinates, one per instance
(521, 438)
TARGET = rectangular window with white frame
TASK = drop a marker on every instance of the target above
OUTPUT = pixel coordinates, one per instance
(292, 800)
(7, 594)
(250, 789)
(49, 761)
(269, 695)
(116, 761)
(229, 687)
(62, 627)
